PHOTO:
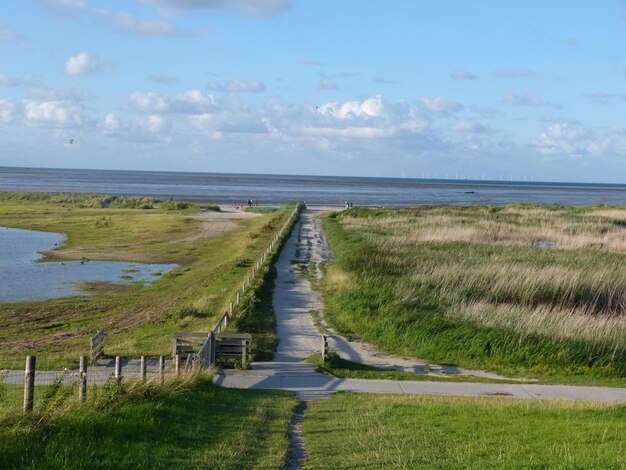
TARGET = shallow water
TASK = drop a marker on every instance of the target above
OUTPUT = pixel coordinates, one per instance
(23, 278)
(326, 190)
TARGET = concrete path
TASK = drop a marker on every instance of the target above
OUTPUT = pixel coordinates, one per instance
(299, 338)
(310, 385)
(293, 297)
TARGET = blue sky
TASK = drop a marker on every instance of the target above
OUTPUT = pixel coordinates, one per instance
(479, 89)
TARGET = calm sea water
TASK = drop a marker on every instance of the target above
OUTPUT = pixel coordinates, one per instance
(22, 278)
(275, 189)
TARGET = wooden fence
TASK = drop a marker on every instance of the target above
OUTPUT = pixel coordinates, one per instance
(96, 346)
(79, 377)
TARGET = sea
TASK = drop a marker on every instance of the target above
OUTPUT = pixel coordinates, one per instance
(231, 188)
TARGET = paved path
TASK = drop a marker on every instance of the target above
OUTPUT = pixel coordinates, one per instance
(299, 338)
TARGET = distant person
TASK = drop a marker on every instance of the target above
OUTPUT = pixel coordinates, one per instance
(249, 202)
(347, 205)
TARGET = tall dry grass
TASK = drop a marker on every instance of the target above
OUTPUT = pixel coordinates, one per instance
(473, 283)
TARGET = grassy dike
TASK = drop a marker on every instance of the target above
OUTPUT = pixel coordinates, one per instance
(185, 423)
(138, 320)
(362, 431)
(524, 290)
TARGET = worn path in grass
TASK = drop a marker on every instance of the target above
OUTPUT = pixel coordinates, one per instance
(299, 338)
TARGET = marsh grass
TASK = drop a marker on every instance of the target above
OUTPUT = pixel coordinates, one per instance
(469, 285)
(139, 320)
(368, 431)
(184, 423)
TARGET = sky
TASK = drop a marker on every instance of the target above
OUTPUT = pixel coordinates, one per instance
(477, 89)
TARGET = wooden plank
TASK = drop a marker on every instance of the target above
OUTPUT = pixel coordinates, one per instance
(220, 336)
(186, 334)
(96, 346)
(230, 342)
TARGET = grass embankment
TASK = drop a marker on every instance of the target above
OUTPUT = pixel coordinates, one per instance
(214, 255)
(521, 290)
(187, 423)
(374, 431)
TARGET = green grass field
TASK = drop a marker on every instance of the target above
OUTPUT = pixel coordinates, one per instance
(188, 423)
(214, 257)
(532, 291)
(362, 431)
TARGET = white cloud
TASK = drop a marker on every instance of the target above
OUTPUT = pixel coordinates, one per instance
(463, 75)
(441, 105)
(5, 80)
(11, 35)
(111, 124)
(263, 8)
(239, 86)
(326, 84)
(122, 21)
(143, 129)
(370, 108)
(562, 139)
(471, 127)
(7, 111)
(187, 102)
(148, 102)
(523, 100)
(83, 64)
(52, 114)
(130, 24)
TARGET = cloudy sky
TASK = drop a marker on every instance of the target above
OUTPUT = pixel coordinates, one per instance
(481, 89)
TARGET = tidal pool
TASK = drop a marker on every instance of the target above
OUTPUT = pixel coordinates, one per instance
(23, 278)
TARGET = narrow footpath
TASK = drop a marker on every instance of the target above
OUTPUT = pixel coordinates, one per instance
(299, 338)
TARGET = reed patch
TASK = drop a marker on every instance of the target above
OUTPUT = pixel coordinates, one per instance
(528, 289)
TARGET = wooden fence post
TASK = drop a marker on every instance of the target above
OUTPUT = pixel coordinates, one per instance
(244, 350)
(142, 366)
(230, 308)
(118, 368)
(96, 344)
(82, 379)
(324, 348)
(177, 364)
(211, 349)
(174, 346)
(162, 368)
(189, 362)
(29, 383)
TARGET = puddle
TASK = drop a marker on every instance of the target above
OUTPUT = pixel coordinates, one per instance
(24, 279)
(544, 244)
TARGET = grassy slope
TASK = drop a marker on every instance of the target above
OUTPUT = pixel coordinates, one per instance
(373, 431)
(405, 295)
(179, 425)
(138, 320)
